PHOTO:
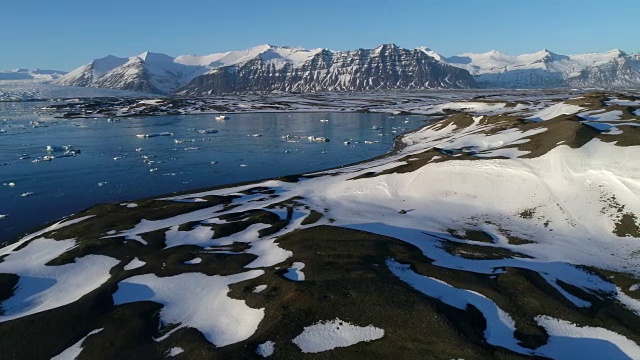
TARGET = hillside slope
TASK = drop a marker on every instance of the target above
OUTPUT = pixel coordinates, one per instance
(507, 229)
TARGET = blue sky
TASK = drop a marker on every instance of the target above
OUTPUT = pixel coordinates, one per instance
(65, 34)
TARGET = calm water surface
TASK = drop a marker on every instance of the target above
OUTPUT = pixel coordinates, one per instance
(115, 165)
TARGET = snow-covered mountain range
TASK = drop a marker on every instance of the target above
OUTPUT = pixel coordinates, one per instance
(494, 69)
(31, 74)
(272, 68)
(267, 68)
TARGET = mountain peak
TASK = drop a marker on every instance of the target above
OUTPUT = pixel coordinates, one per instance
(387, 46)
(148, 57)
(616, 52)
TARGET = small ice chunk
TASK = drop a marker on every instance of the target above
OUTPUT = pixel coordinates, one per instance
(174, 351)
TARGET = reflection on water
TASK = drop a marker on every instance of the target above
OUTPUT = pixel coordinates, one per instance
(115, 165)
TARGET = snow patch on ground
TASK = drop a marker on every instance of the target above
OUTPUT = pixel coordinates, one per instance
(175, 351)
(193, 261)
(266, 349)
(569, 341)
(295, 273)
(500, 326)
(259, 288)
(555, 111)
(328, 335)
(43, 287)
(598, 115)
(199, 235)
(198, 301)
(483, 108)
(616, 101)
(134, 264)
(74, 351)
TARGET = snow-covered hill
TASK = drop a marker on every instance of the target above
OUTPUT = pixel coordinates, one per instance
(147, 72)
(507, 229)
(31, 74)
(494, 69)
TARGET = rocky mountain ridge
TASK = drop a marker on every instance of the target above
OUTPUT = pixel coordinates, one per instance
(268, 68)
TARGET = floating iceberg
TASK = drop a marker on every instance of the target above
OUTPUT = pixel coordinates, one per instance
(166, 133)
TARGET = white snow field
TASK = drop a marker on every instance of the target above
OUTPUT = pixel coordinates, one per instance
(331, 334)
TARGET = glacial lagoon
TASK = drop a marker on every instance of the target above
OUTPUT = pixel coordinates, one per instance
(102, 160)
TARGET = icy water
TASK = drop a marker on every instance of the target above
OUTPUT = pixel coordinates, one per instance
(116, 165)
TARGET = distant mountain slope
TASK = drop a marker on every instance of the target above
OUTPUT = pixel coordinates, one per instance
(267, 68)
(547, 69)
(147, 72)
(31, 74)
